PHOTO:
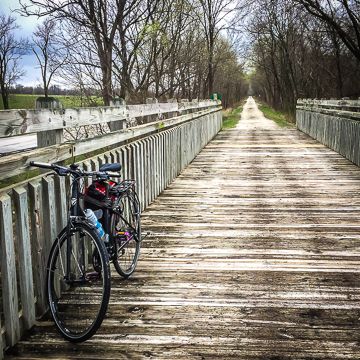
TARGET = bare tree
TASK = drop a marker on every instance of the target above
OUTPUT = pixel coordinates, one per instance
(99, 18)
(47, 52)
(296, 54)
(11, 50)
(137, 49)
(342, 16)
(212, 15)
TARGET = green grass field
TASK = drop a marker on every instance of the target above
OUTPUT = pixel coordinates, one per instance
(283, 120)
(20, 101)
(231, 117)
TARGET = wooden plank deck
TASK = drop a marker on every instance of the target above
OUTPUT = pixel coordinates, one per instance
(254, 254)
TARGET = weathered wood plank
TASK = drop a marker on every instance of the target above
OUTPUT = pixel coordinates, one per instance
(340, 134)
(254, 254)
(61, 202)
(8, 273)
(144, 161)
(87, 145)
(37, 245)
(19, 122)
(23, 246)
(15, 164)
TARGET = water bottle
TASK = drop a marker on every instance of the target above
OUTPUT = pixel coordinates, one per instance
(92, 219)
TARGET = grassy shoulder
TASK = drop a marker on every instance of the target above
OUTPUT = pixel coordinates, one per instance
(25, 101)
(231, 117)
(281, 119)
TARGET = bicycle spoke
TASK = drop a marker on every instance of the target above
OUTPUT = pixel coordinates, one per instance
(78, 299)
(126, 225)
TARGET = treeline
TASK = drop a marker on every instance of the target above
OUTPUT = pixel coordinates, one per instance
(131, 49)
(39, 90)
(304, 49)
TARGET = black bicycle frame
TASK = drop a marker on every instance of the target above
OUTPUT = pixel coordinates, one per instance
(75, 211)
(107, 212)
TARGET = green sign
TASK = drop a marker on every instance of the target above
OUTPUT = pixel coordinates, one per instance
(215, 96)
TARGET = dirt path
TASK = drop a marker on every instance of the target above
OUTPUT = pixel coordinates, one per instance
(253, 118)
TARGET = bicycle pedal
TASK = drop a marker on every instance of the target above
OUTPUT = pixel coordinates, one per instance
(94, 275)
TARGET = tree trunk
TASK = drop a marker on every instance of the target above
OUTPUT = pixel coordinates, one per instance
(106, 83)
(211, 78)
(46, 90)
(5, 98)
(105, 57)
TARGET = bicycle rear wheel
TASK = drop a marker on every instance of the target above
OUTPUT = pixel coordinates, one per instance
(126, 234)
(78, 296)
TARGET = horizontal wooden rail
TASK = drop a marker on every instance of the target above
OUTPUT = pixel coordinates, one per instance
(15, 164)
(342, 104)
(332, 112)
(337, 129)
(33, 212)
(20, 122)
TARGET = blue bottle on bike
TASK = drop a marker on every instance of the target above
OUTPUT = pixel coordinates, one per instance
(92, 219)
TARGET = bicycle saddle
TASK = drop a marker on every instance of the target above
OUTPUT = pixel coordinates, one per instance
(110, 167)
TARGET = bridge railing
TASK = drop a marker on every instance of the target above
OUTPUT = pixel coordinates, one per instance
(335, 123)
(49, 125)
(33, 211)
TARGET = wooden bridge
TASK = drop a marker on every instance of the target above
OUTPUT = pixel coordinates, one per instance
(254, 254)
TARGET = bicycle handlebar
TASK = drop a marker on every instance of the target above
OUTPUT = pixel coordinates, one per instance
(63, 171)
(41, 165)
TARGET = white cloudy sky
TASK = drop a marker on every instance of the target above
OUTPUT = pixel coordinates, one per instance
(27, 26)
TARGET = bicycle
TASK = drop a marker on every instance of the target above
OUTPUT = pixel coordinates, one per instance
(120, 218)
(70, 275)
(78, 263)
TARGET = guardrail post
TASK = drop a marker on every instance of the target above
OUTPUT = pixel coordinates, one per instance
(151, 118)
(8, 273)
(50, 137)
(23, 245)
(175, 113)
(120, 124)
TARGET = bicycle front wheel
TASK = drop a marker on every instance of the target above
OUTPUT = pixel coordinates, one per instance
(126, 234)
(78, 296)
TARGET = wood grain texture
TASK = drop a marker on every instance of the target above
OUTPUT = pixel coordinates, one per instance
(23, 247)
(47, 209)
(39, 260)
(25, 121)
(333, 124)
(18, 163)
(10, 301)
(254, 254)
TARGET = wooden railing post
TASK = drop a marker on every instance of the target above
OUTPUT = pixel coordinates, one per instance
(153, 154)
(8, 273)
(334, 123)
(151, 118)
(24, 257)
(50, 137)
(119, 124)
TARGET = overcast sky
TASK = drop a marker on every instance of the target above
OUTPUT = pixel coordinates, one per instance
(27, 26)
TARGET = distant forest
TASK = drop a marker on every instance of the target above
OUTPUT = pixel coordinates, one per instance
(52, 90)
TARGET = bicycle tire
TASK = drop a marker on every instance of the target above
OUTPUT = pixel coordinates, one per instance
(126, 247)
(77, 318)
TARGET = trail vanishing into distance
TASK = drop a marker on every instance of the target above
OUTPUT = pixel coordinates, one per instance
(254, 254)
